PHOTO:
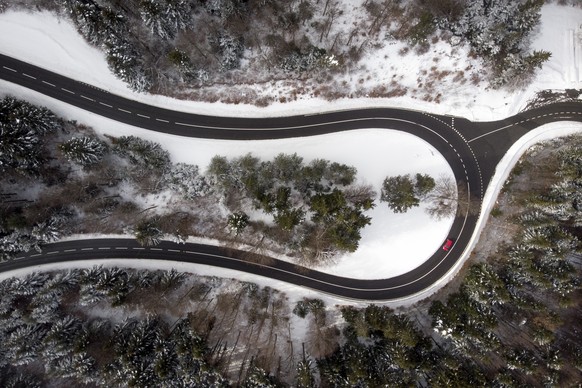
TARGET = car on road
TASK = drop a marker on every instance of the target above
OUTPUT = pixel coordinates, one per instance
(448, 244)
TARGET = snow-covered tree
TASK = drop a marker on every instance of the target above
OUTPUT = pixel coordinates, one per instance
(22, 125)
(22, 114)
(224, 8)
(165, 17)
(23, 344)
(125, 62)
(230, 49)
(47, 231)
(143, 154)
(237, 222)
(84, 150)
(147, 232)
(309, 59)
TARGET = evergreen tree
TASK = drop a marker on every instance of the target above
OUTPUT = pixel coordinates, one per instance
(230, 49)
(83, 150)
(398, 192)
(22, 126)
(165, 17)
(237, 222)
(148, 232)
(143, 154)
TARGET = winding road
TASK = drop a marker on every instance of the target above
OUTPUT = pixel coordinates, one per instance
(472, 149)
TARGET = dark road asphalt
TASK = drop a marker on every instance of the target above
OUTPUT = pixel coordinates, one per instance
(473, 151)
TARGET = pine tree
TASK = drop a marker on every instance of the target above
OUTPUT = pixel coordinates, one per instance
(124, 61)
(22, 126)
(84, 150)
(237, 222)
(165, 17)
(398, 192)
(148, 232)
(143, 154)
(230, 48)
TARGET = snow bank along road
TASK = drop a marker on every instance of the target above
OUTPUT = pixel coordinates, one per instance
(473, 150)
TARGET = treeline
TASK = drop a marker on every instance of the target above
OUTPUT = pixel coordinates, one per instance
(60, 178)
(161, 45)
(317, 208)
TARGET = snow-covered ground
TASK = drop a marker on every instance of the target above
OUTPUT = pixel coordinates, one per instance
(53, 43)
(388, 247)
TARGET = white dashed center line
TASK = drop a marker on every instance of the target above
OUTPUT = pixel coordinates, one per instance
(48, 83)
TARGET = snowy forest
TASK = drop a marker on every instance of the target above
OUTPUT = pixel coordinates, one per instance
(509, 321)
(193, 49)
(59, 178)
(511, 318)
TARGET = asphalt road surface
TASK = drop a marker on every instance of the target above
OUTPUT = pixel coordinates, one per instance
(473, 151)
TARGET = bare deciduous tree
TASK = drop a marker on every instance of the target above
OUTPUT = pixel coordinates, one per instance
(449, 198)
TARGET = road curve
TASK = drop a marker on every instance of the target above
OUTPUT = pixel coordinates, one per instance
(473, 150)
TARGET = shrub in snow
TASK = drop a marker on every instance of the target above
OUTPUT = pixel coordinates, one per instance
(186, 180)
(312, 58)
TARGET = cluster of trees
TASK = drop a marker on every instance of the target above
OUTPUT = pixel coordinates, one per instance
(403, 192)
(157, 45)
(317, 205)
(151, 43)
(513, 310)
(44, 198)
(45, 329)
(24, 156)
(496, 30)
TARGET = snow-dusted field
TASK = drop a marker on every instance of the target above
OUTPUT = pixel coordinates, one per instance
(393, 244)
(53, 43)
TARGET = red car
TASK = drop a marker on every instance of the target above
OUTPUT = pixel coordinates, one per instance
(448, 244)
